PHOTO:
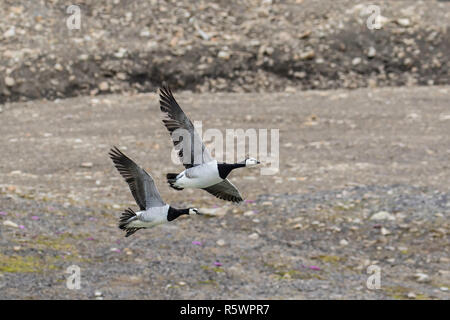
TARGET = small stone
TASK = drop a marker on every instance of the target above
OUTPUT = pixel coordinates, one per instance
(98, 293)
(219, 212)
(83, 57)
(404, 22)
(220, 242)
(385, 231)
(11, 32)
(290, 89)
(9, 81)
(120, 53)
(224, 55)
(343, 242)
(249, 213)
(58, 67)
(9, 223)
(121, 76)
(356, 61)
(411, 295)
(300, 74)
(382, 215)
(103, 86)
(145, 33)
(86, 165)
(307, 55)
(181, 283)
(254, 236)
(422, 277)
(372, 52)
(443, 288)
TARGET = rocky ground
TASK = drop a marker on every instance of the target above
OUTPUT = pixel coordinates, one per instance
(363, 180)
(228, 46)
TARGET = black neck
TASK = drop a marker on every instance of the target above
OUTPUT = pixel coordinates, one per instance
(175, 213)
(225, 168)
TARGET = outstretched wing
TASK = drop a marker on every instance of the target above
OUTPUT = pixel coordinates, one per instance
(192, 152)
(140, 182)
(225, 190)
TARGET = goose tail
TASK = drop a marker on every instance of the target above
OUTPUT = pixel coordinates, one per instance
(171, 179)
(126, 218)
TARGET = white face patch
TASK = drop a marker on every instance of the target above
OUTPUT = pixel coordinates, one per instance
(251, 162)
(193, 211)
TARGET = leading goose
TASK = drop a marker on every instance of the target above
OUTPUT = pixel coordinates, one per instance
(202, 171)
(154, 210)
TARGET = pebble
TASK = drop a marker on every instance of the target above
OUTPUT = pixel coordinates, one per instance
(9, 81)
(382, 215)
(343, 242)
(411, 295)
(120, 53)
(372, 52)
(356, 61)
(219, 212)
(11, 32)
(307, 55)
(103, 86)
(300, 74)
(254, 236)
(9, 223)
(404, 22)
(422, 277)
(224, 55)
(249, 213)
(220, 242)
(87, 165)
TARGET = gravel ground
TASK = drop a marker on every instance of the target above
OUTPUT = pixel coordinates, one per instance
(225, 46)
(364, 180)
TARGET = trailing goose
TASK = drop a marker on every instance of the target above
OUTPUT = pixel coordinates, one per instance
(202, 171)
(153, 210)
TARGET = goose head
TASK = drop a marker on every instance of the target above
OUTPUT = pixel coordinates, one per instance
(251, 162)
(193, 211)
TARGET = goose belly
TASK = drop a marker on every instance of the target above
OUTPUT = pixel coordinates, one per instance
(201, 182)
(200, 177)
(151, 217)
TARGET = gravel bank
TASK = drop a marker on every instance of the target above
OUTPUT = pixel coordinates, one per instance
(210, 46)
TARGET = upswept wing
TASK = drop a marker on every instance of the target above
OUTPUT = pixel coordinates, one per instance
(141, 184)
(192, 152)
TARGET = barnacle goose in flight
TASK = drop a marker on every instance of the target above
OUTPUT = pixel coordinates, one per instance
(202, 171)
(154, 210)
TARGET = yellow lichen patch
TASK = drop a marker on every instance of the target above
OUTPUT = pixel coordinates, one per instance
(215, 269)
(401, 293)
(17, 263)
(208, 282)
(46, 243)
(329, 259)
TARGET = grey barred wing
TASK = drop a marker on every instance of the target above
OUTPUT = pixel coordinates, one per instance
(187, 141)
(142, 185)
(225, 190)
